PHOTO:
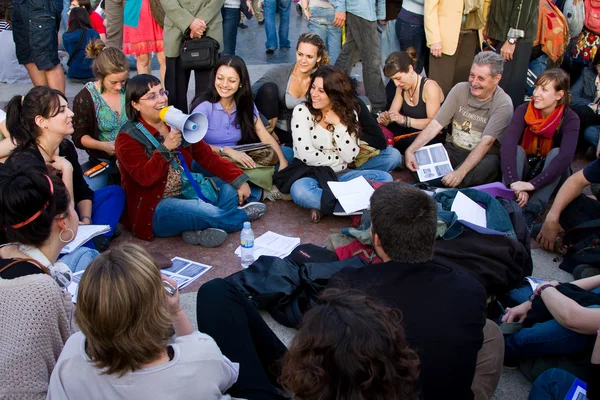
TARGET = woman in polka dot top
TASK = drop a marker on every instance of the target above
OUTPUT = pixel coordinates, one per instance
(325, 131)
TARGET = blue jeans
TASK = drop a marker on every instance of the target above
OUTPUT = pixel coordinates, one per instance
(101, 180)
(544, 338)
(231, 21)
(553, 384)
(592, 134)
(321, 23)
(288, 153)
(389, 40)
(412, 35)
(271, 8)
(306, 192)
(175, 215)
(107, 207)
(387, 160)
(79, 259)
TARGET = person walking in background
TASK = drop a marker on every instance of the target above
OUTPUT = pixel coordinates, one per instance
(513, 25)
(35, 32)
(321, 16)
(389, 39)
(10, 69)
(453, 29)
(362, 43)
(231, 21)
(271, 7)
(142, 36)
(257, 6)
(411, 31)
(200, 19)
(114, 23)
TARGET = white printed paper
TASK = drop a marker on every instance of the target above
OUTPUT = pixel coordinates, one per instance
(467, 210)
(74, 286)
(353, 195)
(433, 162)
(184, 271)
(272, 244)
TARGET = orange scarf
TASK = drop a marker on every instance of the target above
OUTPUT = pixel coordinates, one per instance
(539, 133)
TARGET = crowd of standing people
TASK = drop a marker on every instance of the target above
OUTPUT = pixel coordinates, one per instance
(488, 80)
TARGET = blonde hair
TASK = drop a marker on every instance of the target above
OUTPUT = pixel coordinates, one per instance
(121, 310)
(315, 40)
(107, 60)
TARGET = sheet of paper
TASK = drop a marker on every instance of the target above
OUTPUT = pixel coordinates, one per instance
(433, 162)
(84, 233)
(353, 195)
(74, 286)
(272, 244)
(534, 282)
(184, 271)
(578, 391)
(467, 210)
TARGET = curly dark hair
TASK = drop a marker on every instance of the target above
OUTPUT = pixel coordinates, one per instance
(339, 89)
(350, 347)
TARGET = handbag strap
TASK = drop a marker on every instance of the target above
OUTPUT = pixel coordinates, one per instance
(77, 47)
(174, 164)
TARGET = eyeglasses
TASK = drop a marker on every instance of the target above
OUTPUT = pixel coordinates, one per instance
(154, 96)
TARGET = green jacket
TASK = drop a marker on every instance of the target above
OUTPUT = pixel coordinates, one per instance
(518, 14)
(179, 15)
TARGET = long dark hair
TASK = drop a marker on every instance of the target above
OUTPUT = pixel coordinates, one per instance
(25, 190)
(338, 87)
(244, 115)
(22, 110)
(350, 347)
(79, 18)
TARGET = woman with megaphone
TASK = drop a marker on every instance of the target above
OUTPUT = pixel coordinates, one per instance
(234, 120)
(164, 198)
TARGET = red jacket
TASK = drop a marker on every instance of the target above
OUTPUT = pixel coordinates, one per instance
(144, 178)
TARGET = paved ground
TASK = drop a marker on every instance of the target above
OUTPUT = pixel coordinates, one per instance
(285, 217)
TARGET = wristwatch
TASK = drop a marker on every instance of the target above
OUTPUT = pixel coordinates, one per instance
(512, 40)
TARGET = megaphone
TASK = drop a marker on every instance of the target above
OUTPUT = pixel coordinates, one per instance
(193, 127)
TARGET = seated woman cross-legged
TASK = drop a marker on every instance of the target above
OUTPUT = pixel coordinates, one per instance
(413, 100)
(123, 350)
(153, 166)
(36, 314)
(539, 144)
(325, 131)
(233, 119)
(100, 110)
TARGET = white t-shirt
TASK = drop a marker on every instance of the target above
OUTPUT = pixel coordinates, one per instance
(2, 116)
(198, 370)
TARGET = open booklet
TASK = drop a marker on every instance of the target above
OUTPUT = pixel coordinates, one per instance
(183, 271)
(84, 233)
(272, 244)
(433, 162)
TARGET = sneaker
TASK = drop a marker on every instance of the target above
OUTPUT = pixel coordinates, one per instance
(585, 271)
(299, 9)
(210, 237)
(270, 50)
(243, 25)
(274, 194)
(260, 23)
(254, 210)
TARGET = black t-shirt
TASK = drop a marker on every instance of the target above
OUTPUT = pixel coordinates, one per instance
(443, 316)
(592, 172)
(22, 268)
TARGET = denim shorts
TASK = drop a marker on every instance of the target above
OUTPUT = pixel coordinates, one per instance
(35, 32)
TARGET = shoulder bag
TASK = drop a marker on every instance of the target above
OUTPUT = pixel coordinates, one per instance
(200, 53)
(193, 185)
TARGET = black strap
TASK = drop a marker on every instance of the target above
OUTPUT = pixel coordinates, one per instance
(76, 48)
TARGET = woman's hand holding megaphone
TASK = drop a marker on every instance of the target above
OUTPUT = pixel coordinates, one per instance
(173, 139)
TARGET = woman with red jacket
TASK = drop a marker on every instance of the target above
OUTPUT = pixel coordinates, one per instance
(154, 186)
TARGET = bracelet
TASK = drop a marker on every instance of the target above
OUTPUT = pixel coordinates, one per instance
(542, 288)
(408, 122)
(405, 121)
(85, 217)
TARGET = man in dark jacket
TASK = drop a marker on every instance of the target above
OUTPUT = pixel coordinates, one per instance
(443, 309)
(512, 24)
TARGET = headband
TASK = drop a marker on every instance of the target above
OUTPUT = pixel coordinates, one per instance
(37, 214)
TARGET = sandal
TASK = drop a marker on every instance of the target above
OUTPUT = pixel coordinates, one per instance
(315, 215)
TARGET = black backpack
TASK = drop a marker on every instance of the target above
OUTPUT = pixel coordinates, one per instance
(583, 245)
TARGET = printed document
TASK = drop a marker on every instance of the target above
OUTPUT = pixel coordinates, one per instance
(272, 244)
(353, 195)
(433, 162)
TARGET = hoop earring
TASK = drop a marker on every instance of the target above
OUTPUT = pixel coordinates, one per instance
(63, 240)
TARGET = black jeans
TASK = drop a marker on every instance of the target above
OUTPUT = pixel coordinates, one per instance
(243, 336)
(177, 80)
(267, 103)
(580, 210)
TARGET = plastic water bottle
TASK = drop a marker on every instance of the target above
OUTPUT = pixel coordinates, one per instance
(247, 244)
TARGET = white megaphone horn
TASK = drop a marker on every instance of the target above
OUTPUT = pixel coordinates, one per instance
(193, 127)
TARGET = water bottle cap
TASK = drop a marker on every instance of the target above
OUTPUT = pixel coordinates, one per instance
(246, 225)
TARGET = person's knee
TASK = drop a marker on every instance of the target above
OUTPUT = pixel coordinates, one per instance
(489, 362)
(269, 91)
(591, 134)
(143, 59)
(212, 290)
(394, 157)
